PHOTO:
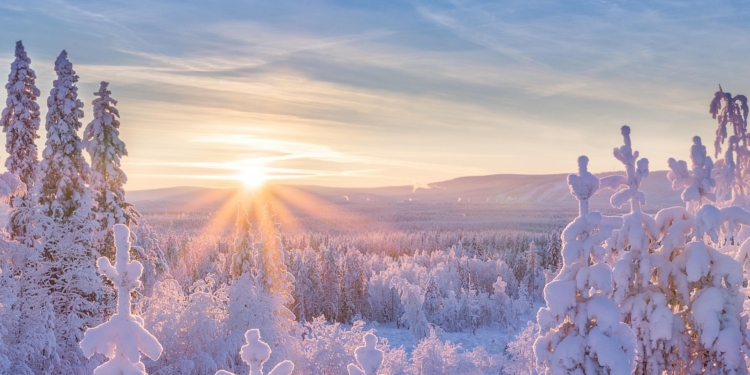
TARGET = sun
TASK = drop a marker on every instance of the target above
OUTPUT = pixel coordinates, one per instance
(252, 177)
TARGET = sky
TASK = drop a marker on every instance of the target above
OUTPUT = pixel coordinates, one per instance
(379, 93)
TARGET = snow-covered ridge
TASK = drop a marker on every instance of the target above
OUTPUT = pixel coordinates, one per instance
(506, 189)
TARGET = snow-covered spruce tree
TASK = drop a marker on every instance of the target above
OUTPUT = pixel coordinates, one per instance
(20, 121)
(69, 276)
(368, 357)
(255, 353)
(123, 337)
(580, 329)
(101, 138)
(63, 170)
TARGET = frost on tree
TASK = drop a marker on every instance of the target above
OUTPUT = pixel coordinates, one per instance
(20, 121)
(580, 329)
(102, 141)
(256, 352)
(123, 337)
(368, 357)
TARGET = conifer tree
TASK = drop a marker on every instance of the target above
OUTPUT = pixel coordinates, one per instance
(64, 171)
(20, 121)
(102, 141)
(580, 329)
(69, 276)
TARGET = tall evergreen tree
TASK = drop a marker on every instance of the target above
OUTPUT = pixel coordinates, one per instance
(102, 141)
(20, 121)
(69, 276)
(63, 170)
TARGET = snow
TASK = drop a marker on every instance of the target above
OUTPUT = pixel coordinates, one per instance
(584, 185)
(368, 357)
(255, 352)
(123, 337)
(707, 309)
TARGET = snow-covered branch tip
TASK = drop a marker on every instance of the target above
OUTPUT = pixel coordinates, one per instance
(635, 171)
(698, 184)
(256, 352)
(368, 357)
(123, 337)
(583, 185)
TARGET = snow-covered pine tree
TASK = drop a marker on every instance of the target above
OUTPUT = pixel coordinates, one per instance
(20, 121)
(123, 337)
(643, 302)
(101, 138)
(69, 276)
(580, 329)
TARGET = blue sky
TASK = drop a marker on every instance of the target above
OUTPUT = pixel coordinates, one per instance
(369, 93)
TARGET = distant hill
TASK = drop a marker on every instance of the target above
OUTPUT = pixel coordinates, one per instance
(511, 190)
